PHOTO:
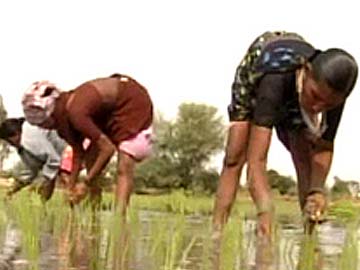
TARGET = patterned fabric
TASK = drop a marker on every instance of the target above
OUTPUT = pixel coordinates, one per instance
(39, 101)
(272, 52)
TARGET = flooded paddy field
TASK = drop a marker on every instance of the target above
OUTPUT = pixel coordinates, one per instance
(171, 232)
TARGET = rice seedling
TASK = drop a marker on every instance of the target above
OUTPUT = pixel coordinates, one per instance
(169, 232)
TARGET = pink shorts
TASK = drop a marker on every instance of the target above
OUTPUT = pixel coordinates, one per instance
(140, 146)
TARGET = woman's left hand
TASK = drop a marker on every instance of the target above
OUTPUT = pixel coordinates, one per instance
(78, 193)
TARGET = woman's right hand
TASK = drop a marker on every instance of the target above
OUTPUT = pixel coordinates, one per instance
(105, 151)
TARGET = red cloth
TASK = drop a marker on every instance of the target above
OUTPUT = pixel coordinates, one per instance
(67, 157)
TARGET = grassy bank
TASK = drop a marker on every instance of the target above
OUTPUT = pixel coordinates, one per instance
(181, 202)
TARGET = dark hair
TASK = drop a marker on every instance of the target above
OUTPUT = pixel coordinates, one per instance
(337, 68)
(11, 127)
(116, 75)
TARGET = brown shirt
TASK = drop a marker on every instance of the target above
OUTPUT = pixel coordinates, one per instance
(117, 107)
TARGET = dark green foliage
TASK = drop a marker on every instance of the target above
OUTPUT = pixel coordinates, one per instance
(340, 188)
(183, 150)
(4, 148)
(284, 184)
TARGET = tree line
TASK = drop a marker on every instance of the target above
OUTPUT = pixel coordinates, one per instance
(183, 150)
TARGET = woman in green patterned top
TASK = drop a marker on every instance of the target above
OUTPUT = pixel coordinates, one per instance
(284, 82)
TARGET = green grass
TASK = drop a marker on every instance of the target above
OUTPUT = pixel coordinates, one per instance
(180, 202)
(345, 210)
(349, 257)
(163, 237)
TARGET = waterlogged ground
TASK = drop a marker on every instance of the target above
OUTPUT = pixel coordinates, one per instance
(34, 237)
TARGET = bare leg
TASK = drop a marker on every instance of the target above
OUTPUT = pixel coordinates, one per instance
(234, 160)
(259, 142)
(125, 180)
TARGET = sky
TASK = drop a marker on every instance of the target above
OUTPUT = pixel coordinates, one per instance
(181, 51)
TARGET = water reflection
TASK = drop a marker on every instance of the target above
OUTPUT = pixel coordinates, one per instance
(73, 247)
(11, 244)
(264, 257)
(121, 249)
(93, 245)
(178, 242)
(290, 249)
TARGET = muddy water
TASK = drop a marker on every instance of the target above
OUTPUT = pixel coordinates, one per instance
(167, 241)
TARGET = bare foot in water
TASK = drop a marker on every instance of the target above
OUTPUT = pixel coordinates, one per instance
(263, 228)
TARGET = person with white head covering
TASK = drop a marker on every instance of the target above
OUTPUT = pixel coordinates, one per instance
(115, 113)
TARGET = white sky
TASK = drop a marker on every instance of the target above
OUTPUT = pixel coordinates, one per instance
(180, 50)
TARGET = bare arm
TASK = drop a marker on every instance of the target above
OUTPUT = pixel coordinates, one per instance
(321, 159)
(87, 103)
(312, 159)
(323, 149)
(99, 156)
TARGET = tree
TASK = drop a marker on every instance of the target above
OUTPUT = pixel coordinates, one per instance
(4, 148)
(197, 135)
(282, 183)
(159, 170)
(340, 188)
(183, 149)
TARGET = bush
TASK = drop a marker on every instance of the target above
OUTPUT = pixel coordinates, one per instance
(340, 188)
(284, 184)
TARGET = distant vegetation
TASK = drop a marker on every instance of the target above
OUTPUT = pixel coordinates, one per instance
(4, 149)
(182, 156)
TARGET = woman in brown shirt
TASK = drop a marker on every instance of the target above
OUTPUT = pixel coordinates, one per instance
(114, 113)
